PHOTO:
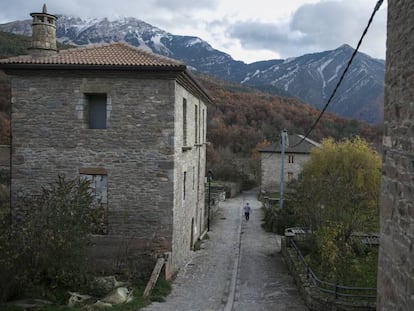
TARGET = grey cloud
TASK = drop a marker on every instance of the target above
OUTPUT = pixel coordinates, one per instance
(185, 4)
(328, 23)
(256, 35)
(315, 27)
(105, 8)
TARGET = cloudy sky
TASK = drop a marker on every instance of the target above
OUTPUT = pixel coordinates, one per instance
(250, 30)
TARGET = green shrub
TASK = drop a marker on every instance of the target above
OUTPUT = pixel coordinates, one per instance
(44, 248)
(277, 220)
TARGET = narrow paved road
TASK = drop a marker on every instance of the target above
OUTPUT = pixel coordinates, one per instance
(239, 268)
(204, 283)
(263, 282)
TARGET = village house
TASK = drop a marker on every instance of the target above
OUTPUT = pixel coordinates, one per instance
(131, 122)
(295, 156)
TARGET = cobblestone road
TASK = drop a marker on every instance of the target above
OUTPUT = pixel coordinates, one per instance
(239, 268)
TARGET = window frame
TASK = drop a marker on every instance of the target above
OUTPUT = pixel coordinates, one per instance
(97, 107)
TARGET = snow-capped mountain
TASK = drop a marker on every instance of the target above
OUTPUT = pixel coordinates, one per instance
(313, 77)
(310, 77)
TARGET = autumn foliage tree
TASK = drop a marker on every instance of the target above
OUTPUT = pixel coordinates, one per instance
(337, 195)
(242, 118)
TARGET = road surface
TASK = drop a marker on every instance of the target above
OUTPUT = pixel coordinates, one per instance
(239, 267)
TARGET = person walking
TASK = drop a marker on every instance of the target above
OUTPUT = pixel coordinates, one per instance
(247, 210)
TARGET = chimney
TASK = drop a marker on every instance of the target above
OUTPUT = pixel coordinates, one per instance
(43, 34)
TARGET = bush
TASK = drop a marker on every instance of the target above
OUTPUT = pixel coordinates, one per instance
(336, 260)
(277, 220)
(45, 246)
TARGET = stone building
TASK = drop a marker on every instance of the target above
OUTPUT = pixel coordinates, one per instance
(295, 157)
(132, 122)
(396, 258)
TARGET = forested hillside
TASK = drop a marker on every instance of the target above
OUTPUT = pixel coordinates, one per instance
(241, 119)
(244, 118)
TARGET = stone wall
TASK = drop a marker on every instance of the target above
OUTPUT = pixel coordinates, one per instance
(271, 166)
(396, 258)
(136, 151)
(189, 175)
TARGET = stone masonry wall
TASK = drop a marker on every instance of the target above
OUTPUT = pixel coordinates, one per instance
(51, 137)
(396, 258)
(189, 209)
(270, 166)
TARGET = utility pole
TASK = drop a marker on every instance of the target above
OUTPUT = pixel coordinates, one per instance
(282, 166)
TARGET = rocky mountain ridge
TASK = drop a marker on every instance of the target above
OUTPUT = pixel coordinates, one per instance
(310, 77)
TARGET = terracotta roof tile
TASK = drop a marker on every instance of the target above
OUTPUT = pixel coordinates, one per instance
(115, 54)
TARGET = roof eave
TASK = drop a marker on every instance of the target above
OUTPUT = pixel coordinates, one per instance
(192, 80)
(5, 66)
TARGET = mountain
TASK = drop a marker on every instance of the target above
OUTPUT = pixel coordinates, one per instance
(241, 117)
(313, 77)
(310, 77)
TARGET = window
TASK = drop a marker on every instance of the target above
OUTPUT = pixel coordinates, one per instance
(193, 176)
(290, 176)
(98, 181)
(202, 127)
(184, 122)
(196, 124)
(184, 182)
(291, 159)
(97, 110)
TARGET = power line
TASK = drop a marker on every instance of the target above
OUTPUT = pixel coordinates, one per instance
(377, 6)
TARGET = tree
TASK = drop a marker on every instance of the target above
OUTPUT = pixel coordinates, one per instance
(336, 195)
(340, 184)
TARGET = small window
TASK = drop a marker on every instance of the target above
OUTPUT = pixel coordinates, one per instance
(196, 124)
(97, 108)
(184, 182)
(202, 126)
(184, 122)
(291, 160)
(290, 176)
(193, 176)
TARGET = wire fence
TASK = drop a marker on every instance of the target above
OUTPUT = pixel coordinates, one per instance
(332, 288)
(338, 291)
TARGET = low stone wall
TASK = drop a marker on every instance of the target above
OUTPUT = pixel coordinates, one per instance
(217, 195)
(316, 300)
(231, 188)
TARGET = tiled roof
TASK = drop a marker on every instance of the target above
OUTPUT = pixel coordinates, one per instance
(305, 146)
(115, 54)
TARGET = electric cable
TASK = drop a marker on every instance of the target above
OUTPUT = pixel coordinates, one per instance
(377, 6)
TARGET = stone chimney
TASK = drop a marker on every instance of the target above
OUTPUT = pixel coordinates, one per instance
(43, 34)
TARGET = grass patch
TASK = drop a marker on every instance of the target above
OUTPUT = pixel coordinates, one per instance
(197, 245)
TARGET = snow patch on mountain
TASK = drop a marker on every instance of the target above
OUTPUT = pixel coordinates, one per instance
(309, 77)
(194, 42)
(320, 70)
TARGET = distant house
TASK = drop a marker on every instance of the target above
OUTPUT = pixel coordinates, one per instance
(294, 159)
(132, 122)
